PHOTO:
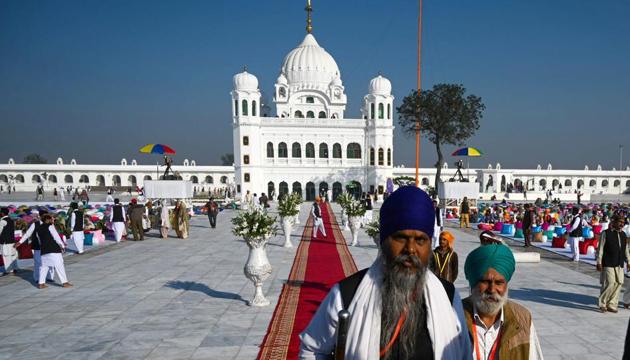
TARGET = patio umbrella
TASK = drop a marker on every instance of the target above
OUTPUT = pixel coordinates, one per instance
(468, 152)
(156, 149)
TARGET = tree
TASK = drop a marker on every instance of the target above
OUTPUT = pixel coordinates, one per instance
(445, 114)
(34, 159)
(227, 159)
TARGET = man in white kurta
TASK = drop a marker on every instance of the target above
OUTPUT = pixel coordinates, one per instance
(52, 250)
(35, 247)
(399, 310)
(118, 218)
(76, 224)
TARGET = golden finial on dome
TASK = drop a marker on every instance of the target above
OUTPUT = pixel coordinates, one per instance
(309, 22)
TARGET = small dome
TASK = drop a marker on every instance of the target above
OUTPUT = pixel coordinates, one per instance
(380, 86)
(245, 81)
(336, 81)
(282, 80)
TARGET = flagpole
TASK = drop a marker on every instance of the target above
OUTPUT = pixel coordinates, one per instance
(419, 87)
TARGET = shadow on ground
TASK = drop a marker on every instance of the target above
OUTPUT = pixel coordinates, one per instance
(556, 298)
(203, 288)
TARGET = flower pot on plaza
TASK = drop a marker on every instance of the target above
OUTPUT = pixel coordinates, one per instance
(257, 269)
(355, 225)
(344, 220)
(287, 225)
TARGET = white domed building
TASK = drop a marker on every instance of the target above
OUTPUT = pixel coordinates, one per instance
(308, 145)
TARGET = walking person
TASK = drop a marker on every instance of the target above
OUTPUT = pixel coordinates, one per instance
(35, 246)
(180, 217)
(136, 214)
(528, 223)
(7, 241)
(165, 220)
(575, 234)
(612, 252)
(76, 224)
(117, 217)
(51, 249)
(445, 263)
(437, 227)
(55, 194)
(318, 222)
(213, 211)
(62, 195)
(464, 214)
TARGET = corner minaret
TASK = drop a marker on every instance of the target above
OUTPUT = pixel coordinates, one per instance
(246, 130)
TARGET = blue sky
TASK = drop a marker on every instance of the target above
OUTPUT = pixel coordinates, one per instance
(96, 80)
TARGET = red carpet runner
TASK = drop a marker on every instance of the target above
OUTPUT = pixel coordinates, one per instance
(318, 265)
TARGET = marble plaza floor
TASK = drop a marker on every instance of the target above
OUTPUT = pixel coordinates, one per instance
(186, 299)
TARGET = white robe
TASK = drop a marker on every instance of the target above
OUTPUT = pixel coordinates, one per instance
(446, 324)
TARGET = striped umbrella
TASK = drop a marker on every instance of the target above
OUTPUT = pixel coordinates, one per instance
(156, 149)
(467, 151)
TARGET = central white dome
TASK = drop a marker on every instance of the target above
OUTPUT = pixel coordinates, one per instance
(310, 65)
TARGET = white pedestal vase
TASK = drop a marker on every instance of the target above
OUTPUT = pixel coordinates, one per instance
(287, 225)
(296, 219)
(257, 269)
(344, 220)
(355, 225)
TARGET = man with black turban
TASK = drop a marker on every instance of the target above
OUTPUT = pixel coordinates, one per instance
(398, 309)
(499, 328)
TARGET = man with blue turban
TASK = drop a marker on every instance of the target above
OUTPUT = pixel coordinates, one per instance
(397, 309)
(499, 328)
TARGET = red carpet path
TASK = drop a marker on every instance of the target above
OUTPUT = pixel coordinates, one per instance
(318, 265)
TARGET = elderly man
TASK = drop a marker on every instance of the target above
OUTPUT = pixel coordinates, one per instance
(612, 252)
(499, 328)
(398, 309)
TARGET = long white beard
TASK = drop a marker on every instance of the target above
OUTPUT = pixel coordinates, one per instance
(488, 304)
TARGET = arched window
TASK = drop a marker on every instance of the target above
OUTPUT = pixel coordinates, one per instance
(244, 108)
(605, 183)
(51, 178)
(337, 190)
(381, 157)
(20, 179)
(336, 151)
(322, 115)
(310, 191)
(628, 184)
(580, 184)
(36, 179)
(131, 180)
(310, 114)
(194, 180)
(209, 180)
(372, 156)
(567, 182)
(84, 179)
(116, 180)
(592, 183)
(616, 183)
(310, 150)
(246, 159)
(389, 157)
(68, 179)
(299, 115)
(310, 100)
(381, 111)
(284, 189)
(100, 180)
(147, 177)
(271, 189)
(353, 151)
(253, 107)
(282, 150)
(372, 111)
(389, 111)
(5, 179)
(425, 181)
(235, 107)
(296, 150)
(270, 149)
(223, 179)
(323, 151)
(297, 188)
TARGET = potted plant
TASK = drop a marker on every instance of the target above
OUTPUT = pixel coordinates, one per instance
(372, 230)
(343, 200)
(287, 211)
(355, 211)
(256, 227)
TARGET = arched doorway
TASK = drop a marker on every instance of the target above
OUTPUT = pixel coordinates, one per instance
(116, 180)
(131, 180)
(554, 184)
(297, 188)
(284, 189)
(100, 180)
(337, 190)
(543, 184)
(580, 184)
(354, 188)
(310, 191)
(503, 183)
(271, 190)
